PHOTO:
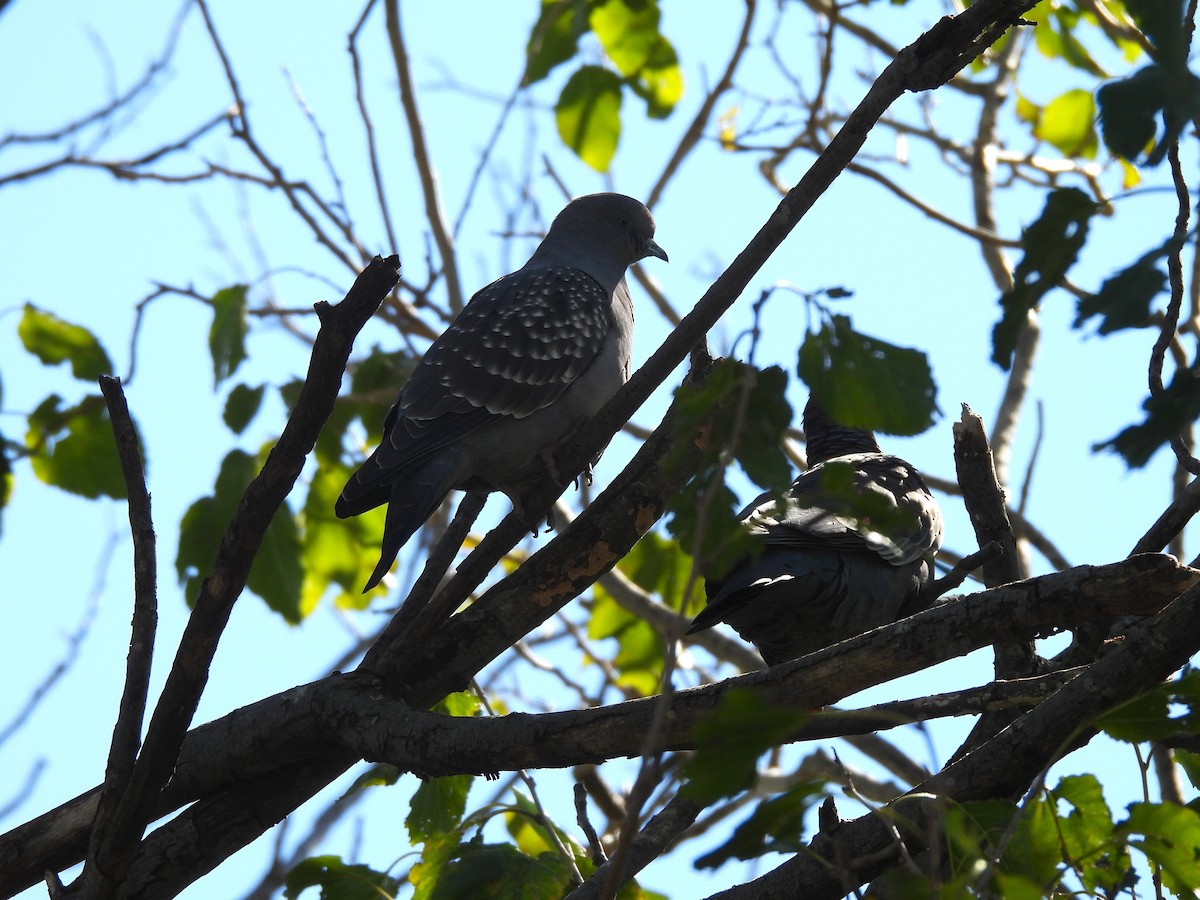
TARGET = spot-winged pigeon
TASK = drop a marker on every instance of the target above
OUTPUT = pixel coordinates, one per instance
(850, 551)
(530, 357)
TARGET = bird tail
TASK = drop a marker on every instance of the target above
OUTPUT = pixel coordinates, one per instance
(413, 500)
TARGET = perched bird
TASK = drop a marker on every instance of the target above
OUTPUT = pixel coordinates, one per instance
(529, 358)
(851, 549)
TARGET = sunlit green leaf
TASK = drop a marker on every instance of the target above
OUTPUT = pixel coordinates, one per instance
(628, 31)
(437, 807)
(1034, 850)
(55, 341)
(554, 38)
(1051, 245)
(588, 115)
(6, 474)
(1170, 839)
(339, 881)
(864, 382)
(660, 81)
(242, 405)
(658, 565)
(1067, 122)
(730, 741)
(378, 775)
(532, 836)
(275, 575)
(425, 876)
(227, 336)
(73, 447)
(463, 704)
(340, 552)
(1027, 110)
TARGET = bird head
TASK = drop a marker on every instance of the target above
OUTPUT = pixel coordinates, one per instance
(603, 234)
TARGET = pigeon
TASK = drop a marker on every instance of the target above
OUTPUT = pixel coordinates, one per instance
(851, 549)
(530, 357)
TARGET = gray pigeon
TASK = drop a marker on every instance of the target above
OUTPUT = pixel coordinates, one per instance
(851, 550)
(530, 357)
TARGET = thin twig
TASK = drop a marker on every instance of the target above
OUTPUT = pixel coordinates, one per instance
(434, 213)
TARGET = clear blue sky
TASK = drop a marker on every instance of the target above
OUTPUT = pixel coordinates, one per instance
(89, 248)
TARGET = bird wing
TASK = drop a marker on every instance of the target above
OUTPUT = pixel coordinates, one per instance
(514, 349)
(861, 501)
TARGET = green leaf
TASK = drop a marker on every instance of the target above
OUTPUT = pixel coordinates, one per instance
(1171, 839)
(554, 38)
(73, 447)
(1034, 851)
(628, 32)
(501, 872)
(864, 382)
(55, 341)
(242, 405)
(6, 474)
(463, 704)
(639, 656)
(1124, 299)
(775, 826)
(1147, 717)
(524, 824)
(1067, 124)
(768, 415)
(1129, 108)
(1017, 887)
(1189, 761)
(435, 854)
(1027, 110)
(1166, 416)
(339, 552)
(739, 412)
(339, 881)
(660, 81)
(1055, 38)
(729, 742)
(378, 775)
(227, 336)
(437, 807)
(588, 115)
(1087, 835)
(275, 575)
(658, 565)
(748, 410)
(1051, 244)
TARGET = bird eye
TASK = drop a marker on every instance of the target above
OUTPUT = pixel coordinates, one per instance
(623, 221)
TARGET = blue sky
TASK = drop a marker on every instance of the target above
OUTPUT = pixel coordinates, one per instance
(89, 248)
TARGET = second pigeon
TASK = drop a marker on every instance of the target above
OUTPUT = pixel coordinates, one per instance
(851, 549)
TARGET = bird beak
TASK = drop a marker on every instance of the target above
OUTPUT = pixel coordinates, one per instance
(652, 249)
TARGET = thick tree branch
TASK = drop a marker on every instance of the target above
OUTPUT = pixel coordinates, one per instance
(854, 852)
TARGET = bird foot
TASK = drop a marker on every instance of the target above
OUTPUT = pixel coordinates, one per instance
(546, 454)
